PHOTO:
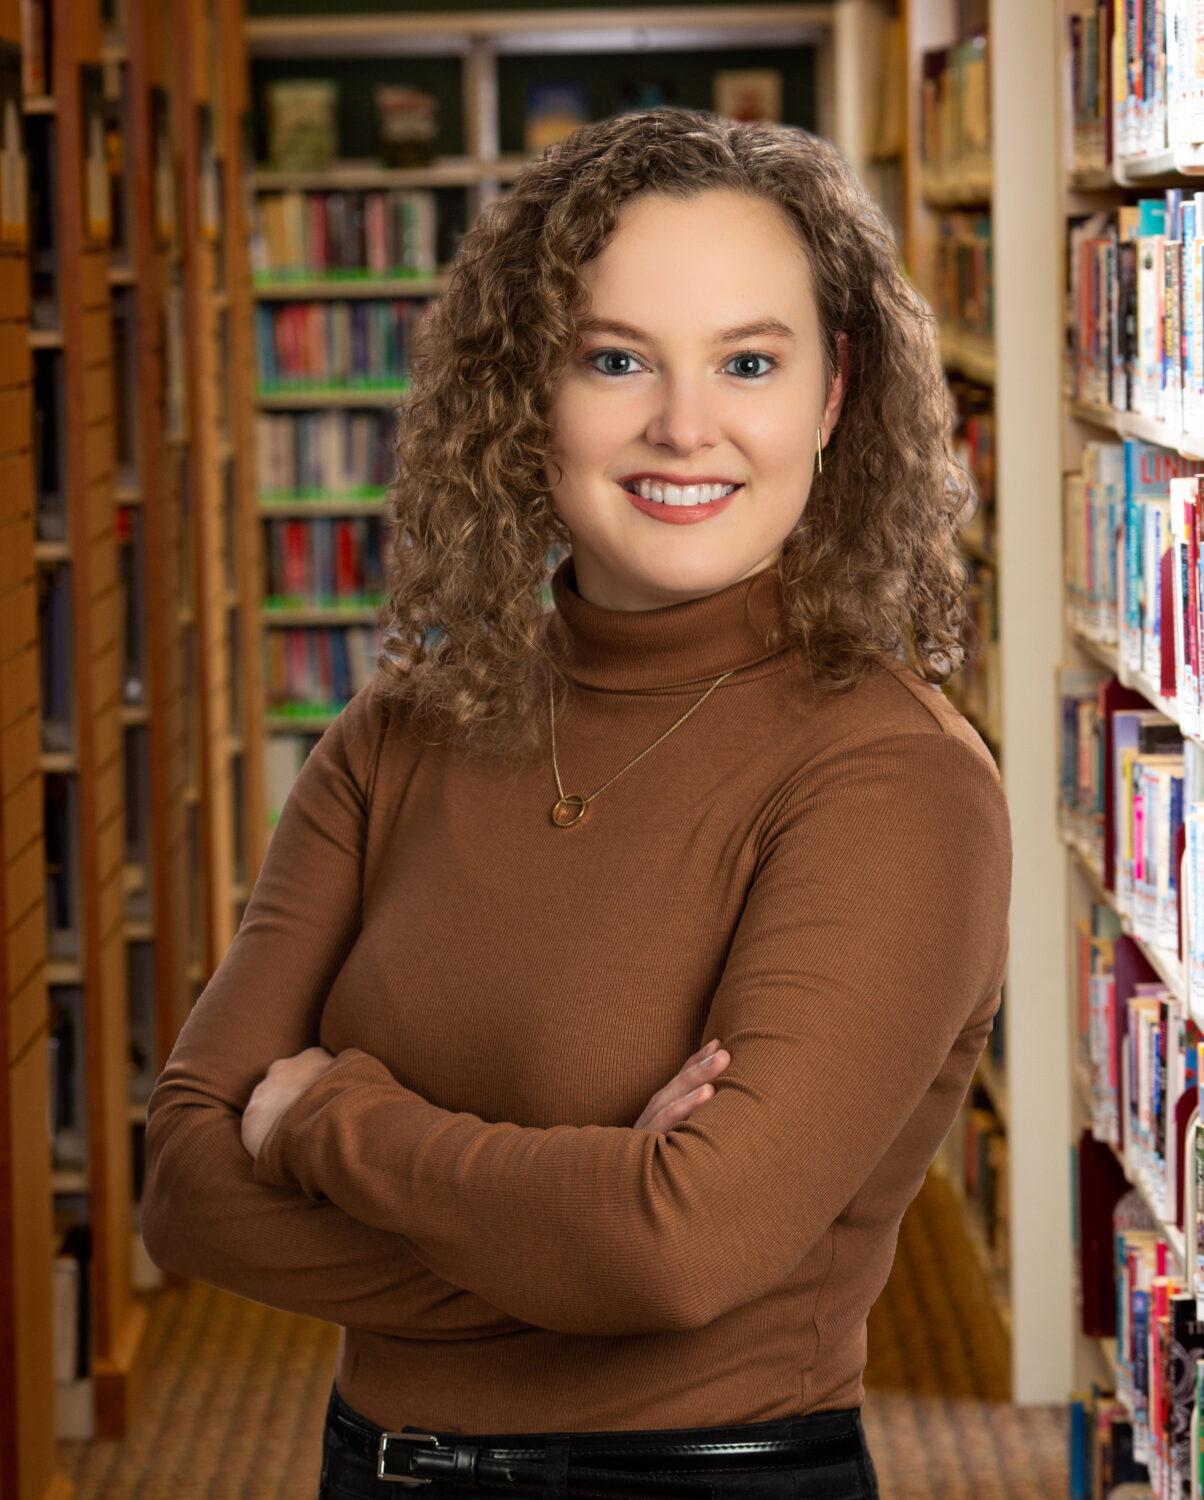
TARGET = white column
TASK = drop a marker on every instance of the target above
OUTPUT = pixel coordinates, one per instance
(1027, 247)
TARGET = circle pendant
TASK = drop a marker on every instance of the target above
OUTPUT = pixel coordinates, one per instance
(568, 811)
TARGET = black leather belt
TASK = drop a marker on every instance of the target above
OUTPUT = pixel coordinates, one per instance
(598, 1467)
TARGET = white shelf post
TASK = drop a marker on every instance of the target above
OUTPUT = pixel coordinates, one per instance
(1027, 230)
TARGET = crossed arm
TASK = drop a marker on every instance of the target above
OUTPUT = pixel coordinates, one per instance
(438, 1224)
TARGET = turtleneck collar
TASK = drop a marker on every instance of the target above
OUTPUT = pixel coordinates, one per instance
(675, 646)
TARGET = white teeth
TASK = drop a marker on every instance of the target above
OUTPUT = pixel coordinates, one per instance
(674, 494)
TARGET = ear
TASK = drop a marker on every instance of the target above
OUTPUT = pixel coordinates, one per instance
(838, 386)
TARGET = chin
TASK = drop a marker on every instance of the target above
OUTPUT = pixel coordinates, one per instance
(687, 579)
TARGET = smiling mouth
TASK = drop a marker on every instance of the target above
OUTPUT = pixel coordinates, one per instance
(663, 493)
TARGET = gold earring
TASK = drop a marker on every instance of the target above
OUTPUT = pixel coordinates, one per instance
(819, 447)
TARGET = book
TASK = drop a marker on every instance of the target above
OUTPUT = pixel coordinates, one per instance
(302, 124)
(14, 191)
(747, 93)
(554, 109)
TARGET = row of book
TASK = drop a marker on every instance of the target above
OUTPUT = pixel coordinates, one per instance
(977, 688)
(1094, 501)
(343, 235)
(1156, 54)
(1159, 1355)
(974, 449)
(976, 1153)
(1133, 569)
(1147, 1431)
(284, 755)
(1101, 1447)
(324, 455)
(1132, 315)
(955, 119)
(960, 278)
(1088, 79)
(304, 346)
(327, 561)
(1135, 329)
(316, 670)
(1127, 801)
(1139, 1056)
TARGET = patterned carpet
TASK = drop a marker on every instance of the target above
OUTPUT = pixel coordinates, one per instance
(233, 1386)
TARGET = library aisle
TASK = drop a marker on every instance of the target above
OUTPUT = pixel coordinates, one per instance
(221, 224)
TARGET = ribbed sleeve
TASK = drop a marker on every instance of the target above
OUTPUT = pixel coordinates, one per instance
(204, 1214)
(873, 934)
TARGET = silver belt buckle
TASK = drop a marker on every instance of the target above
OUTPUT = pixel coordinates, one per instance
(402, 1437)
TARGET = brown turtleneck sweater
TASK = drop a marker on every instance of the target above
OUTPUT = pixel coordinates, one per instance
(823, 885)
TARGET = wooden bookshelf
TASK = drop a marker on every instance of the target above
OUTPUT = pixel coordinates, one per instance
(245, 747)
(27, 1456)
(118, 1320)
(158, 915)
(227, 685)
(139, 511)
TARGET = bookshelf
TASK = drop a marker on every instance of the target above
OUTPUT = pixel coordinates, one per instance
(129, 709)
(982, 243)
(1121, 632)
(26, 1368)
(216, 320)
(85, 792)
(317, 639)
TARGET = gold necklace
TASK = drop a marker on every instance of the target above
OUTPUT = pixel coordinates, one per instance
(571, 808)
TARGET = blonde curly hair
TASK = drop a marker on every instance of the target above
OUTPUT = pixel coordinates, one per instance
(872, 566)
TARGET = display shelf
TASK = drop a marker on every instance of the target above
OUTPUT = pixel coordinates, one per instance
(1105, 654)
(27, 1392)
(1159, 167)
(1127, 424)
(314, 723)
(320, 400)
(1171, 1233)
(346, 176)
(343, 287)
(286, 508)
(352, 614)
(973, 356)
(1167, 965)
(643, 28)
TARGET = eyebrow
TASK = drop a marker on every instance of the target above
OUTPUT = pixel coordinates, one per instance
(756, 329)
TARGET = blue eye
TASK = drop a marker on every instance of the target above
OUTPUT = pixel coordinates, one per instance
(754, 374)
(609, 354)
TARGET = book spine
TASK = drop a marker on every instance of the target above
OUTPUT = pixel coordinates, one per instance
(1191, 704)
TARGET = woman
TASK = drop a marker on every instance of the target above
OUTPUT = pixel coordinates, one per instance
(713, 796)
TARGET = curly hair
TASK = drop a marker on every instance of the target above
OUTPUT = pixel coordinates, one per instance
(871, 567)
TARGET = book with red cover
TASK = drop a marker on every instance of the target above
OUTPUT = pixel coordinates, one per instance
(346, 583)
(296, 562)
(1166, 684)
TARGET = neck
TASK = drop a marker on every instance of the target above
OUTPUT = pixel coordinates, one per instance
(675, 645)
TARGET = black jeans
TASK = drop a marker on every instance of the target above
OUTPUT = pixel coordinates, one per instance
(348, 1476)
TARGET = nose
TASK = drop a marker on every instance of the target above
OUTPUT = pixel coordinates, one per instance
(685, 418)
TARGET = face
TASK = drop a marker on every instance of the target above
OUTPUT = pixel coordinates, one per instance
(699, 363)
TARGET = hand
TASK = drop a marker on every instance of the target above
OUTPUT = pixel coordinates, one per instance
(285, 1080)
(682, 1095)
